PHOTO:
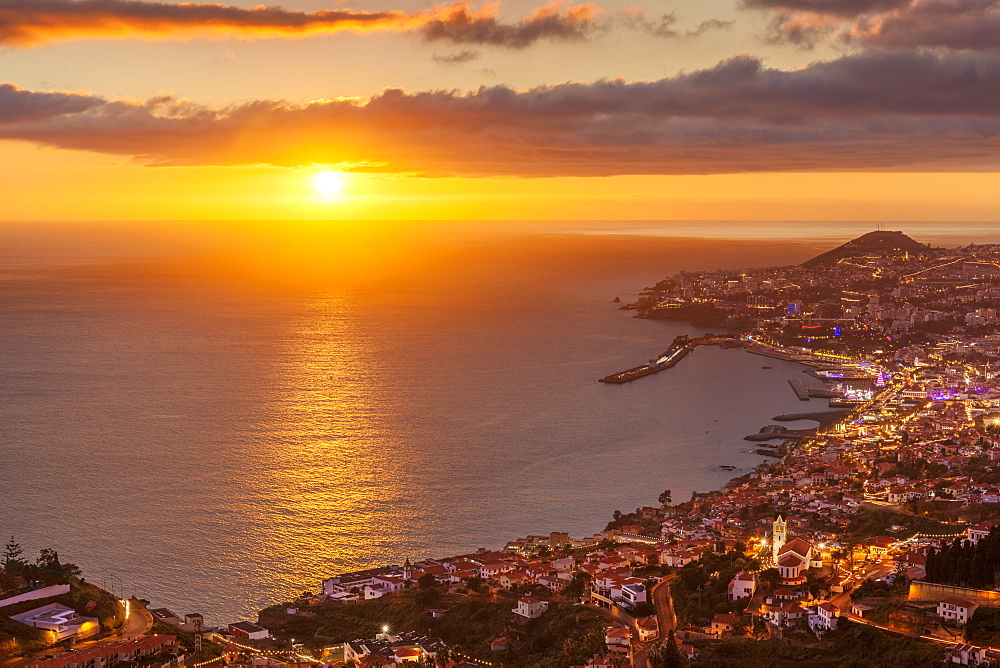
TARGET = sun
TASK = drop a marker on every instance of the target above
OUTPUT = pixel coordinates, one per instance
(328, 184)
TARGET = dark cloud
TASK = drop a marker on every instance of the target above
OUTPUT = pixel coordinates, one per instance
(832, 7)
(952, 24)
(461, 24)
(709, 25)
(17, 105)
(27, 23)
(456, 58)
(871, 110)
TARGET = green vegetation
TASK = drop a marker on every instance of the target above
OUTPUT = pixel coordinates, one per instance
(966, 565)
(876, 522)
(567, 634)
(850, 646)
(701, 588)
(984, 627)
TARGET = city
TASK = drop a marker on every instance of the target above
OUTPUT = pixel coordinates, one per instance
(878, 526)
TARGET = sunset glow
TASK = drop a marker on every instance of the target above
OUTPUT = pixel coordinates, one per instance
(486, 111)
(328, 184)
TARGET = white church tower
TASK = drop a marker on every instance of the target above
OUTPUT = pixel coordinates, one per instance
(779, 535)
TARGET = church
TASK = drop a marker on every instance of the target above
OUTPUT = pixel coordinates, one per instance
(793, 558)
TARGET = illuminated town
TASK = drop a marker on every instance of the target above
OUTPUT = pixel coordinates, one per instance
(873, 531)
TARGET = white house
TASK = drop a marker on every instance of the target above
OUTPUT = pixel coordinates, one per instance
(956, 610)
(531, 608)
(743, 585)
(786, 615)
(967, 655)
(981, 530)
(825, 617)
(633, 594)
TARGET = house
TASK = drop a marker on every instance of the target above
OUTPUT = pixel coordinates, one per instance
(956, 610)
(967, 655)
(825, 617)
(647, 628)
(742, 585)
(617, 636)
(861, 609)
(982, 530)
(690, 651)
(724, 623)
(786, 615)
(514, 578)
(249, 631)
(633, 594)
(499, 644)
(531, 608)
(55, 622)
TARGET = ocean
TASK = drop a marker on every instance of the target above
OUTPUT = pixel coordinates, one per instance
(217, 416)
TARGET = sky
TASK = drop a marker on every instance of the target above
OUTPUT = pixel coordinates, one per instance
(647, 110)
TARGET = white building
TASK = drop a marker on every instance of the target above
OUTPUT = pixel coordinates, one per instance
(956, 610)
(58, 622)
(531, 608)
(743, 585)
(825, 617)
(633, 594)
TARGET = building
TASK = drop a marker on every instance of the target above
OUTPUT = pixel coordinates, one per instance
(617, 636)
(956, 610)
(743, 585)
(968, 655)
(109, 654)
(633, 594)
(249, 631)
(55, 622)
(531, 608)
(825, 617)
(724, 623)
(393, 648)
(779, 534)
(982, 530)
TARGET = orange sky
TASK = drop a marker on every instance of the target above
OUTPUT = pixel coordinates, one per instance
(741, 110)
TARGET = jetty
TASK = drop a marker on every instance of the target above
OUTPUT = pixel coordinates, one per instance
(677, 351)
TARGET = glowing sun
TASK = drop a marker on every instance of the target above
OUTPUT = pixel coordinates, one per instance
(328, 184)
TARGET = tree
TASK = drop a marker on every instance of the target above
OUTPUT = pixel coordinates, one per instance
(12, 562)
(426, 581)
(770, 578)
(665, 498)
(50, 566)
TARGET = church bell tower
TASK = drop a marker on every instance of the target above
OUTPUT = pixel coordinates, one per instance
(779, 535)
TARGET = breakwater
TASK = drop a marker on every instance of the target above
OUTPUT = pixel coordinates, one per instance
(678, 350)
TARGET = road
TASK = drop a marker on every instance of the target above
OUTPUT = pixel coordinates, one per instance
(666, 621)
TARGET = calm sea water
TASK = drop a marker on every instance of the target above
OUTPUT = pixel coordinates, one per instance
(217, 416)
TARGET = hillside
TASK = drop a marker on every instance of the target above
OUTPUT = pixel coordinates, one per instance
(878, 243)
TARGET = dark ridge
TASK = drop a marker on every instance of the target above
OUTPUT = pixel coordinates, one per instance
(879, 243)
